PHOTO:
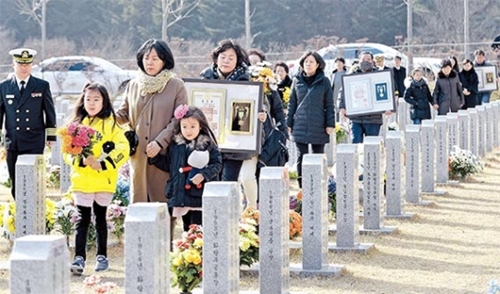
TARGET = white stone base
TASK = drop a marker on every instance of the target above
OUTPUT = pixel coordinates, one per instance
(363, 248)
(380, 231)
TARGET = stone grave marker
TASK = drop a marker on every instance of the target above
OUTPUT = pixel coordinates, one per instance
(315, 219)
(347, 238)
(331, 149)
(30, 195)
(489, 127)
(453, 130)
(464, 127)
(428, 149)
(474, 148)
(219, 252)
(481, 130)
(373, 187)
(412, 145)
(40, 264)
(495, 109)
(147, 247)
(394, 170)
(56, 155)
(403, 113)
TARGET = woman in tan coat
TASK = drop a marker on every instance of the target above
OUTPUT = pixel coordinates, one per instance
(149, 104)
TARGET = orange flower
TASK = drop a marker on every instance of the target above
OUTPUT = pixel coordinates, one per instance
(299, 195)
(295, 224)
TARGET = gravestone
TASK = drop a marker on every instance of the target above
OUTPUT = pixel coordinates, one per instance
(315, 218)
(481, 130)
(464, 128)
(453, 130)
(403, 113)
(56, 155)
(40, 264)
(220, 272)
(65, 180)
(427, 136)
(394, 171)
(474, 148)
(348, 201)
(274, 263)
(495, 108)
(442, 168)
(331, 149)
(373, 187)
(489, 127)
(30, 195)
(412, 145)
(147, 247)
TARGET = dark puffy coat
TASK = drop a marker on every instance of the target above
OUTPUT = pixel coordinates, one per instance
(399, 80)
(276, 113)
(470, 81)
(310, 119)
(177, 154)
(419, 96)
(448, 93)
(240, 73)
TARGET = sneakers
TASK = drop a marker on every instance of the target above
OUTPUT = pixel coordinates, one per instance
(101, 264)
(77, 266)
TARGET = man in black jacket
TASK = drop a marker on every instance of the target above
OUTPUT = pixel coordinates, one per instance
(26, 111)
(399, 77)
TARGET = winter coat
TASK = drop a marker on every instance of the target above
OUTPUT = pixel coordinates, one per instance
(240, 73)
(87, 180)
(176, 158)
(448, 93)
(274, 108)
(419, 96)
(311, 109)
(147, 181)
(287, 82)
(470, 81)
(399, 80)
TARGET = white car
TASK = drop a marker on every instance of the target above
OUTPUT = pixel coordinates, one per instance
(68, 74)
(351, 51)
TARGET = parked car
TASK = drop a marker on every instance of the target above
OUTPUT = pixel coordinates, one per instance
(351, 51)
(68, 74)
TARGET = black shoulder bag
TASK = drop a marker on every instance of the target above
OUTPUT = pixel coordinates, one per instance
(131, 135)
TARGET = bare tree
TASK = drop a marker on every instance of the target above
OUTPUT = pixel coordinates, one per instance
(174, 11)
(35, 9)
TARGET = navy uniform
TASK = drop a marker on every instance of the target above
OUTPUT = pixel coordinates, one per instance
(26, 111)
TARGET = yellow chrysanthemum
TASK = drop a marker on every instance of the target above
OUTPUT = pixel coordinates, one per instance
(177, 261)
(10, 223)
(192, 256)
(198, 243)
(245, 244)
(286, 94)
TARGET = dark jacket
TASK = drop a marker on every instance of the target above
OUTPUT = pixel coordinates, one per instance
(177, 155)
(274, 108)
(30, 119)
(287, 82)
(240, 73)
(363, 119)
(419, 96)
(309, 120)
(448, 93)
(470, 81)
(399, 80)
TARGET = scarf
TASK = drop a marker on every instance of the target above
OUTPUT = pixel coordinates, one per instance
(232, 76)
(419, 83)
(149, 84)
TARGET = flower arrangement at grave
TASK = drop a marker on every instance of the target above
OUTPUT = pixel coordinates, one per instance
(94, 284)
(76, 139)
(54, 177)
(186, 259)
(50, 215)
(248, 241)
(66, 216)
(341, 131)
(252, 214)
(463, 163)
(8, 220)
(296, 202)
(115, 216)
(295, 225)
(332, 196)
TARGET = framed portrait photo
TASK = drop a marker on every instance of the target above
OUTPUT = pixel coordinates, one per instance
(487, 78)
(369, 93)
(232, 109)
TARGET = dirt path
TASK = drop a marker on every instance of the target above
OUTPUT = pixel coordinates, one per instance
(452, 246)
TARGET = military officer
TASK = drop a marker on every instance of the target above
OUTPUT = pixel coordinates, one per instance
(26, 111)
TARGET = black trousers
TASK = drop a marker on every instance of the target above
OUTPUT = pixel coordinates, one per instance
(304, 149)
(192, 217)
(11, 167)
(82, 229)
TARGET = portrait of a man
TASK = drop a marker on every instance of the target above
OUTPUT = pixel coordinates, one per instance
(241, 114)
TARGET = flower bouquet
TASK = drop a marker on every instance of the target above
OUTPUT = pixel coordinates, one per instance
(116, 219)
(77, 139)
(248, 241)
(286, 97)
(295, 225)
(463, 163)
(50, 215)
(8, 220)
(341, 132)
(296, 202)
(264, 74)
(66, 216)
(332, 195)
(186, 259)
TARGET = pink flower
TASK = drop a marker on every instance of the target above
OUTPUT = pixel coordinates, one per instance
(181, 111)
(92, 280)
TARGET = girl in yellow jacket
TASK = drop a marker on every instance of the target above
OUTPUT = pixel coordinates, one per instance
(94, 178)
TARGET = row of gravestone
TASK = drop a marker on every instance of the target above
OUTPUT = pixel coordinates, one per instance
(147, 268)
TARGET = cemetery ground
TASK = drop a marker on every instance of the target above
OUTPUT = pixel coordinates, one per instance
(451, 246)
